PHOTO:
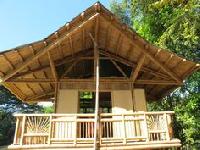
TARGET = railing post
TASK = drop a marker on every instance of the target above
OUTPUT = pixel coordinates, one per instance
(124, 128)
(75, 136)
(100, 130)
(50, 129)
(23, 129)
(16, 130)
(166, 126)
(146, 128)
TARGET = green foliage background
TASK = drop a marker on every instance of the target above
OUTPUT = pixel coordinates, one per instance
(173, 25)
(9, 105)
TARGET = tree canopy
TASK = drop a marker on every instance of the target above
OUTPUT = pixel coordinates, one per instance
(9, 105)
(175, 26)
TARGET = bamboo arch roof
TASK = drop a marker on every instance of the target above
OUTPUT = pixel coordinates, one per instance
(26, 70)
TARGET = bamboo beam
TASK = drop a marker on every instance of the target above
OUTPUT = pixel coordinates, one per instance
(52, 66)
(159, 82)
(83, 39)
(195, 67)
(34, 52)
(130, 51)
(134, 73)
(166, 62)
(55, 76)
(39, 96)
(12, 67)
(22, 60)
(107, 37)
(87, 81)
(118, 43)
(1, 74)
(144, 49)
(30, 88)
(71, 45)
(59, 45)
(52, 45)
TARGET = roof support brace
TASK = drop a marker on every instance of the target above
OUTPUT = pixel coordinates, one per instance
(55, 76)
(134, 73)
(118, 68)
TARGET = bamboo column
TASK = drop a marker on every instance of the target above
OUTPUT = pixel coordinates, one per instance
(96, 79)
(96, 125)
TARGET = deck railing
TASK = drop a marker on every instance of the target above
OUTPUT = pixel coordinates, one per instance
(33, 129)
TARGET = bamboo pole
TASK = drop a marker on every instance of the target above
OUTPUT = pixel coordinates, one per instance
(96, 101)
(96, 77)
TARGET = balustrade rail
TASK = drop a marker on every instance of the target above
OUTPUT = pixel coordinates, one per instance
(33, 129)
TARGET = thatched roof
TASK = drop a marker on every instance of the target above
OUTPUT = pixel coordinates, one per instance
(26, 70)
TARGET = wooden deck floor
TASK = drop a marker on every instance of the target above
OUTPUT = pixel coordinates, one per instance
(109, 146)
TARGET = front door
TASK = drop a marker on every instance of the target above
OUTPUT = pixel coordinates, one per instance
(87, 106)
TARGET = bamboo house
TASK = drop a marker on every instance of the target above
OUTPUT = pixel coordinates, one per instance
(99, 73)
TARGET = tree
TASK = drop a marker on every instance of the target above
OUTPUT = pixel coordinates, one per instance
(173, 25)
(9, 105)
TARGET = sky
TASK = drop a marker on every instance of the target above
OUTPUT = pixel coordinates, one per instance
(26, 21)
